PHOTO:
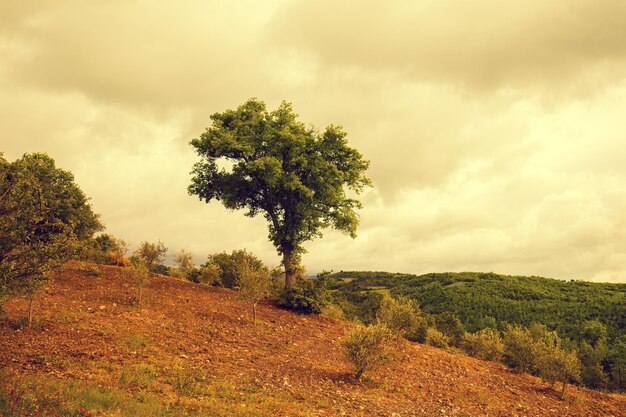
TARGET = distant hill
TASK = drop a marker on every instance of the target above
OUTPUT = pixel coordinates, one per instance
(192, 350)
(491, 300)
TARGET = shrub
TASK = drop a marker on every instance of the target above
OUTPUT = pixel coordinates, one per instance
(484, 344)
(450, 325)
(151, 254)
(555, 364)
(333, 311)
(230, 264)
(520, 348)
(437, 339)
(367, 347)
(399, 315)
(139, 275)
(307, 296)
(253, 285)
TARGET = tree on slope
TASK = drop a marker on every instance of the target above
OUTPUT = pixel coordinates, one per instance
(254, 285)
(296, 177)
(151, 254)
(43, 217)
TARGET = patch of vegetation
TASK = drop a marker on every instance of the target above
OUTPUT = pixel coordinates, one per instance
(587, 317)
(367, 347)
(135, 342)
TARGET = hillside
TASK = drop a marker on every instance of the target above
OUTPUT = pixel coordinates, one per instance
(192, 350)
(487, 299)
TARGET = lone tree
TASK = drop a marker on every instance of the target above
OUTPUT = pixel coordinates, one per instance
(293, 175)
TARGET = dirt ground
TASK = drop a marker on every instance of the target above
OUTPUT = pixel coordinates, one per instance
(88, 328)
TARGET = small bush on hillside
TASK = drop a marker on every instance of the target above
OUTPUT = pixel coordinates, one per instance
(553, 362)
(399, 315)
(253, 285)
(592, 358)
(139, 276)
(367, 348)
(208, 274)
(484, 344)
(333, 311)
(307, 296)
(450, 325)
(520, 348)
(437, 339)
(229, 265)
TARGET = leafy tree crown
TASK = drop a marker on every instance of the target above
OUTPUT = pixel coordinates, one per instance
(297, 177)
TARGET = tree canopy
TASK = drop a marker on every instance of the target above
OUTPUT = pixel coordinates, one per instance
(43, 215)
(296, 177)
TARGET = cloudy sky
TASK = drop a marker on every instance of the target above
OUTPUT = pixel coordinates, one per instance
(495, 129)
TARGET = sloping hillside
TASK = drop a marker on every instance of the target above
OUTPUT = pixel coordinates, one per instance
(475, 296)
(193, 350)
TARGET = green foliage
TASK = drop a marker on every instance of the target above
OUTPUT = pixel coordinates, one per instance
(617, 360)
(578, 311)
(44, 217)
(307, 296)
(209, 274)
(484, 344)
(293, 175)
(151, 255)
(540, 352)
(553, 363)
(333, 311)
(138, 376)
(479, 299)
(450, 325)
(399, 315)
(104, 249)
(520, 348)
(184, 264)
(254, 285)
(367, 347)
(436, 338)
(592, 358)
(139, 276)
(229, 266)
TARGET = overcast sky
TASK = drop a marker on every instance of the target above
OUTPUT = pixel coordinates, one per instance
(495, 129)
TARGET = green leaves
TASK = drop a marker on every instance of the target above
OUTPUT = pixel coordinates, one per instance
(43, 215)
(296, 177)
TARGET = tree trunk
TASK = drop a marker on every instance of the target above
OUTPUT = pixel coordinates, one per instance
(30, 309)
(290, 275)
(254, 313)
(563, 391)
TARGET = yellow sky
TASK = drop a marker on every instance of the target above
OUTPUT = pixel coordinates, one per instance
(494, 128)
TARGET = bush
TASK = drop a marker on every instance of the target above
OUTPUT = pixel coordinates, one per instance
(333, 311)
(520, 348)
(399, 315)
(484, 344)
(308, 296)
(555, 364)
(367, 347)
(437, 339)
(229, 265)
(450, 325)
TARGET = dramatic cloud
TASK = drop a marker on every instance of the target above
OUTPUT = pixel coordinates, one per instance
(494, 130)
(481, 44)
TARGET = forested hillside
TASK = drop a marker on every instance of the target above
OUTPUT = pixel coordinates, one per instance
(589, 318)
(490, 300)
